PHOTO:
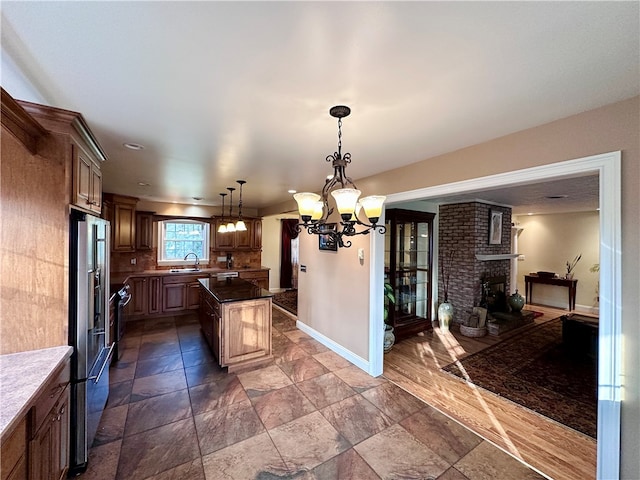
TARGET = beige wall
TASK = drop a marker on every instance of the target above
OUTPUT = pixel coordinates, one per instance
(548, 242)
(332, 292)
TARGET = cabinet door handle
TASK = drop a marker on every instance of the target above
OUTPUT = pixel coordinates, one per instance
(56, 390)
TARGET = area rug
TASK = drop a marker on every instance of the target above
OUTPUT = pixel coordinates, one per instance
(535, 370)
(287, 300)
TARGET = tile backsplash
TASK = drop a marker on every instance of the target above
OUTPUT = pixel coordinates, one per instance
(147, 260)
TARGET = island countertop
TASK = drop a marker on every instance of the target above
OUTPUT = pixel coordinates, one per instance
(233, 289)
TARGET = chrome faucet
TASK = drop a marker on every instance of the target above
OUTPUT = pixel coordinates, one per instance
(196, 265)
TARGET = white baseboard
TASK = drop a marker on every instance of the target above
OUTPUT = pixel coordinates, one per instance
(357, 360)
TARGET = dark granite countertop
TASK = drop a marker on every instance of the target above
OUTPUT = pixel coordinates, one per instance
(233, 289)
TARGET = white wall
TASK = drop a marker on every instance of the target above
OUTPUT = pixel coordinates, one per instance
(547, 243)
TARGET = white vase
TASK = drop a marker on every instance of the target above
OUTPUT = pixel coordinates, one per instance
(445, 315)
(389, 338)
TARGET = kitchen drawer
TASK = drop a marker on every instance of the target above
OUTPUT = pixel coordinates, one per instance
(254, 274)
(167, 279)
(48, 398)
(13, 451)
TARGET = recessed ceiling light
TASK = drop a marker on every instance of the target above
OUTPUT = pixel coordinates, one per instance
(133, 146)
(144, 184)
(291, 191)
(555, 197)
(197, 198)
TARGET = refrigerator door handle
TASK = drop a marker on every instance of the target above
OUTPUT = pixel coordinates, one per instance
(96, 378)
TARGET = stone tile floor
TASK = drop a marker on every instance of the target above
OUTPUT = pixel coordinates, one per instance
(173, 413)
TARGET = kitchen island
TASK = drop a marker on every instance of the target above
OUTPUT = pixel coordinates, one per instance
(235, 317)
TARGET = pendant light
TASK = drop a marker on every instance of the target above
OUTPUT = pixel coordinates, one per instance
(240, 225)
(231, 226)
(223, 227)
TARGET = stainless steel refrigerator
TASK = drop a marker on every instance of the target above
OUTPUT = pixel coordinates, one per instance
(88, 331)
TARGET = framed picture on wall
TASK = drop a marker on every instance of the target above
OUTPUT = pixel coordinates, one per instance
(495, 227)
(326, 241)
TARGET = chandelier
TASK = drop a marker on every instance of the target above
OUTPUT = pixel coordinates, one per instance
(314, 209)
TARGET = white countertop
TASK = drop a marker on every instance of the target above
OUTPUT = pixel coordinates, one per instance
(22, 378)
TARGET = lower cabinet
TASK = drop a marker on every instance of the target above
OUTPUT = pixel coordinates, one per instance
(49, 449)
(239, 332)
(38, 447)
(245, 331)
(259, 277)
(180, 292)
(154, 292)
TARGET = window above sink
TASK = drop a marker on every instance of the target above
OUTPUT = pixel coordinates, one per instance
(180, 238)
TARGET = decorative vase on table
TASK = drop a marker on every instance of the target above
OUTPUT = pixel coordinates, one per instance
(389, 338)
(516, 302)
(445, 315)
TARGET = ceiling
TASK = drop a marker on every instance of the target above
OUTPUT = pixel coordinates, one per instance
(220, 91)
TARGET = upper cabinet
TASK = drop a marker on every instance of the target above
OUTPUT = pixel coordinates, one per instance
(144, 230)
(250, 239)
(87, 180)
(83, 154)
(123, 221)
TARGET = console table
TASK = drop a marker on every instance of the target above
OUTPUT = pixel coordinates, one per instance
(529, 280)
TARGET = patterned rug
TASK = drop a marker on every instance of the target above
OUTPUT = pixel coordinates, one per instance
(537, 371)
(287, 300)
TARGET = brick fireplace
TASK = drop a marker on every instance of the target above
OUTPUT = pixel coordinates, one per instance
(464, 229)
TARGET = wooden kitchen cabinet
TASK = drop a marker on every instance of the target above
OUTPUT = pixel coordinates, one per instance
(238, 332)
(250, 239)
(84, 154)
(223, 241)
(48, 451)
(138, 306)
(14, 454)
(256, 237)
(209, 316)
(144, 230)
(87, 180)
(154, 295)
(180, 292)
(259, 278)
(49, 448)
(245, 331)
(123, 222)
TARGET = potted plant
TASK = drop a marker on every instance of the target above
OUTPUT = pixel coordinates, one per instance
(571, 265)
(389, 299)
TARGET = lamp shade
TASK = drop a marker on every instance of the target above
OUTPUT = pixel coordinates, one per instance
(318, 210)
(373, 206)
(346, 199)
(354, 215)
(240, 226)
(231, 227)
(306, 203)
(222, 228)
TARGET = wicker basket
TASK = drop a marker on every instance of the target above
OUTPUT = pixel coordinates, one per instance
(473, 331)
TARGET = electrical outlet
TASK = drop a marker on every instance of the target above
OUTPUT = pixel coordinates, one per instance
(133, 261)
(521, 258)
(303, 268)
(222, 259)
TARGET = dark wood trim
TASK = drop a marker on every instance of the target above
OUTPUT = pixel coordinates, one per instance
(59, 120)
(18, 121)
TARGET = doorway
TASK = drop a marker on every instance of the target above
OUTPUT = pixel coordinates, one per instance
(607, 166)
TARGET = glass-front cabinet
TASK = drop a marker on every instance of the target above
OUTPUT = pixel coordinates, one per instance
(408, 268)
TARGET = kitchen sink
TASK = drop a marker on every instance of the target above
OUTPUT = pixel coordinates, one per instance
(184, 270)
